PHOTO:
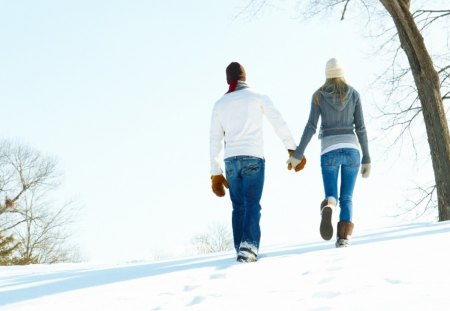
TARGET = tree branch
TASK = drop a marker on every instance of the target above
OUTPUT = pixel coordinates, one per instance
(430, 16)
(344, 10)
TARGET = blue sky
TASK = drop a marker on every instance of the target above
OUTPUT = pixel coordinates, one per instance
(121, 92)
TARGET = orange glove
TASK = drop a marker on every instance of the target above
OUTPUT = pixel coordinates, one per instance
(299, 164)
(217, 184)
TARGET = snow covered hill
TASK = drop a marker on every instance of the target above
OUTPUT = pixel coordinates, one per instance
(396, 268)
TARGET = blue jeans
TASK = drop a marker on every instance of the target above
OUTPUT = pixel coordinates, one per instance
(348, 160)
(245, 177)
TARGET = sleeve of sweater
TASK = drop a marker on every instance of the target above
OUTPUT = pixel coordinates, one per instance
(360, 130)
(216, 136)
(309, 131)
(277, 122)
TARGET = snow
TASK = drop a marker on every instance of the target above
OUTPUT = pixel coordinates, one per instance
(395, 268)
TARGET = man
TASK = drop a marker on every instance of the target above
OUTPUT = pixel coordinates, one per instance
(237, 123)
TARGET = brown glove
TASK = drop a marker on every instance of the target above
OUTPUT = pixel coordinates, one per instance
(299, 166)
(217, 184)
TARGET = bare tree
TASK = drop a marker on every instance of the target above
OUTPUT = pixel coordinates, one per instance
(217, 239)
(429, 92)
(426, 78)
(44, 235)
(27, 180)
(404, 110)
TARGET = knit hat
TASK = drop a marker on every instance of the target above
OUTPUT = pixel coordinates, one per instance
(334, 69)
(235, 72)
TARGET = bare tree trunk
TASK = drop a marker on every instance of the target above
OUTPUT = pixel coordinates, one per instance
(427, 82)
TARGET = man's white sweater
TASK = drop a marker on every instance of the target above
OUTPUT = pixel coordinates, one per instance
(237, 120)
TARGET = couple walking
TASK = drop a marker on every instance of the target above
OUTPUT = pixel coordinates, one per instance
(236, 124)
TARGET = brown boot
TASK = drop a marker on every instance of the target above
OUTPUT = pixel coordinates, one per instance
(344, 233)
(326, 226)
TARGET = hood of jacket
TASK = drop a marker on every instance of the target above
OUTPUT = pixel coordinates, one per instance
(334, 99)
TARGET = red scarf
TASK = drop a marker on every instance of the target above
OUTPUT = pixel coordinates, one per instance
(232, 86)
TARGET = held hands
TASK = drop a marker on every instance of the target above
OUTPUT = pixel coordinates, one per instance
(295, 163)
(365, 170)
(218, 185)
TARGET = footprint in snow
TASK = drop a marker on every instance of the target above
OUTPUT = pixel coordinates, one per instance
(196, 300)
(217, 276)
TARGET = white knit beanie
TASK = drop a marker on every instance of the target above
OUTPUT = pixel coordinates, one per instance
(334, 69)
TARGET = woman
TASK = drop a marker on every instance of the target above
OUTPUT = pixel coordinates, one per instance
(342, 132)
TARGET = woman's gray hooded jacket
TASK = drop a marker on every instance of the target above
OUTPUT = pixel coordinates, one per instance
(338, 118)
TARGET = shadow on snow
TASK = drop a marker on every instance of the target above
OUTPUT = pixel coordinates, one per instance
(26, 287)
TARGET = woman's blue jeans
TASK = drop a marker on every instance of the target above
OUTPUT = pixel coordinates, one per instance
(348, 161)
(245, 176)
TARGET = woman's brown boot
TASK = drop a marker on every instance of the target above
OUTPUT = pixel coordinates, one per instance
(326, 210)
(344, 233)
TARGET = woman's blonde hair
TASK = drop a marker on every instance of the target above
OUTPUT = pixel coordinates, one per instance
(336, 86)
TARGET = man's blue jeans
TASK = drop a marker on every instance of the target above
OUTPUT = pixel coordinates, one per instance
(245, 176)
(348, 160)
